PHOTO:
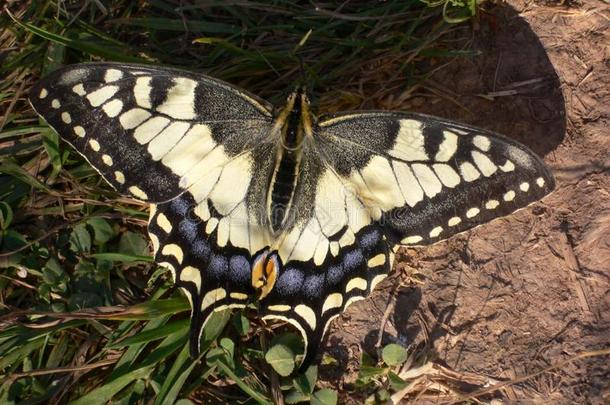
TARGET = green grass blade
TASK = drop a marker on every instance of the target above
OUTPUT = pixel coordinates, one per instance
(105, 392)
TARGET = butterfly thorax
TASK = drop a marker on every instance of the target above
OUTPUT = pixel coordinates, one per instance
(293, 125)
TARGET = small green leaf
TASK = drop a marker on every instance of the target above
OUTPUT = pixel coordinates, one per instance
(133, 244)
(368, 372)
(228, 345)
(324, 397)
(281, 358)
(306, 382)
(80, 239)
(394, 354)
(292, 340)
(396, 383)
(295, 396)
(102, 231)
(382, 396)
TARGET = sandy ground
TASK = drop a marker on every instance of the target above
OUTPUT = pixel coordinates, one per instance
(529, 291)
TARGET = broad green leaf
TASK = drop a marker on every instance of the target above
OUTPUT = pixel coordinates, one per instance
(367, 373)
(396, 382)
(306, 381)
(102, 231)
(80, 239)
(295, 396)
(54, 275)
(281, 358)
(324, 397)
(394, 354)
(133, 244)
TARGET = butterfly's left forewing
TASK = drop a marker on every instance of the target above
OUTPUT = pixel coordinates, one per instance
(151, 132)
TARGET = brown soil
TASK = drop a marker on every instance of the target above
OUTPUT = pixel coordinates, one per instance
(531, 290)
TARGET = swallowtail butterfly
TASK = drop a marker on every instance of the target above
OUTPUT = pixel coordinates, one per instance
(252, 204)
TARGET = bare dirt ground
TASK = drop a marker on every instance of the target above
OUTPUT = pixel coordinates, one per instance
(526, 292)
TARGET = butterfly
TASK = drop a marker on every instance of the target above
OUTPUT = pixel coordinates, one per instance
(298, 215)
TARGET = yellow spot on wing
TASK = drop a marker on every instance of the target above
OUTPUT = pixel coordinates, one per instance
(409, 240)
(138, 192)
(119, 177)
(377, 279)
(307, 314)
(212, 296)
(239, 296)
(173, 250)
(447, 148)
(279, 308)
(356, 282)
(191, 274)
(164, 223)
(334, 300)
(376, 260)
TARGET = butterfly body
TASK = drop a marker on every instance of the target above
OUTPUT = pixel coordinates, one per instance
(297, 214)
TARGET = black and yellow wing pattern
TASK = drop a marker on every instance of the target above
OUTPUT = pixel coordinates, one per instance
(251, 204)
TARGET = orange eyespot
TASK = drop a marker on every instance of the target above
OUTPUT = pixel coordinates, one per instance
(264, 273)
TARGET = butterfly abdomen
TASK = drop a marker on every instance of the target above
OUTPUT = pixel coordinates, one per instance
(283, 182)
(283, 189)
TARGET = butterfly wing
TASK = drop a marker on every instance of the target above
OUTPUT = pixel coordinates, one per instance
(373, 180)
(425, 179)
(194, 147)
(151, 132)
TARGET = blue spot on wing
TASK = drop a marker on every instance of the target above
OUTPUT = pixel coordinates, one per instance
(352, 260)
(289, 282)
(314, 286)
(218, 267)
(239, 270)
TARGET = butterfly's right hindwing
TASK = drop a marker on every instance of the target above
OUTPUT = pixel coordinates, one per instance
(150, 131)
